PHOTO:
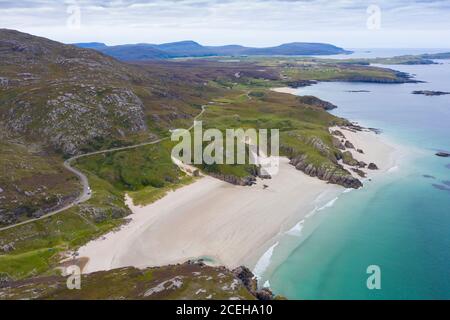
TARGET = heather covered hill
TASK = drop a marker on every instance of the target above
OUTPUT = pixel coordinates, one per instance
(178, 282)
(73, 99)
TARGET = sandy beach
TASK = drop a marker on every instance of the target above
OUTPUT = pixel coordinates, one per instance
(225, 224)
(286, 90)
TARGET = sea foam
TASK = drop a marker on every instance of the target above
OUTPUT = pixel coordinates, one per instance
(328, 205)
(297, 229)
(264, 262)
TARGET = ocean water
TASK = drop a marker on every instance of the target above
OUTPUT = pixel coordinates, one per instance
(399, 222)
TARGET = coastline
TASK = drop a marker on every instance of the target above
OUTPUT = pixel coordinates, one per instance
(226, 224)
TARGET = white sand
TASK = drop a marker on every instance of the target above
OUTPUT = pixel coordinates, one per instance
(286, 90)
(230, 224)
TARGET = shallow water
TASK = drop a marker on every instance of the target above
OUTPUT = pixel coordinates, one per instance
(399, 222)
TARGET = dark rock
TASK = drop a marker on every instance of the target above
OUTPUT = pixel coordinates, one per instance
(362, 164)
(316, 102)
(264, 295)
(372, 166)
(4, 280)
(355, 127)
(247, 181)
(430, 93)
(247, 278)
(360, 151)
(334, 175)
(7, 247)
(428, 176)
(441, 187)
(301, 83)
(349, 145)
(377, 131)
(337, 143)
(443, 154)
(338, 133)
(447, 183)
(348, 159)
(117, 213)
(359, 172)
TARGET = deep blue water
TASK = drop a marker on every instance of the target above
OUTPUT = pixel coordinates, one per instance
(399, 222)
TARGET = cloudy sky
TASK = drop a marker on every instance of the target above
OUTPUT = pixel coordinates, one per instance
(347, 23)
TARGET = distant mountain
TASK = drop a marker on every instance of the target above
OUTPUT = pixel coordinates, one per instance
(181, 49)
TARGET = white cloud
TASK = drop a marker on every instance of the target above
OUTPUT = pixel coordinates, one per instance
(251, 22)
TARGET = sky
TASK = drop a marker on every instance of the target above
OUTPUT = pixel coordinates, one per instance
(346, 23)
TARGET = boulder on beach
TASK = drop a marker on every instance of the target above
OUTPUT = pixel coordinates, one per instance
(359, 172)
(372, 166)
(349, 145)
(338, 134)
(338, 144)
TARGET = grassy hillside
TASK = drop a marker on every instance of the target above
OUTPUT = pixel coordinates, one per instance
(182, 282)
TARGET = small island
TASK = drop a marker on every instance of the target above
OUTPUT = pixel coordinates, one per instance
(443, 154)
(430, 93)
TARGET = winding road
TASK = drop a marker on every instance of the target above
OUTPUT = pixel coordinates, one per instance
(86, 194)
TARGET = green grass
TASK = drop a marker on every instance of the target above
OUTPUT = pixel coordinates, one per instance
(27, 264)
(151, 194)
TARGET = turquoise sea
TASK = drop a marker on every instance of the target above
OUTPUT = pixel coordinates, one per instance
(399, 222)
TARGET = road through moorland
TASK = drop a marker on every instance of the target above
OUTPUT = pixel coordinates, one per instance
(86, 193)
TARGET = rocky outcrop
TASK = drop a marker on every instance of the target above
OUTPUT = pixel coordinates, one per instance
(372, 166)
(349, 145)
(238, 181)
(301, 83)
(443, 154)
(74, 119)
(362, 164)
(348, 159)
(99, 214)
(337, 143)
(430, 93)
(334, 175)
(359, 172)
(338, 134)
(249, 281)
(314, 101)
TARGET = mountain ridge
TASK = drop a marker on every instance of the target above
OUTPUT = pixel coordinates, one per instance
(189, 48)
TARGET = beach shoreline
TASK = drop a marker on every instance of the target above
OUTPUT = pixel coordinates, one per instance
(222, 223)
